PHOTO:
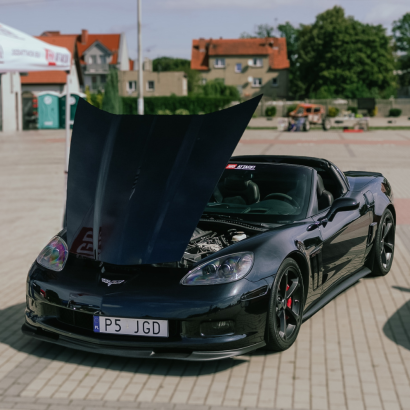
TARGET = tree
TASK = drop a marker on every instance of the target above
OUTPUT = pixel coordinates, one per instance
(112, 100)
(339, 56)
(260, 31)
(178, 64)
(401, 35)
(292, 45)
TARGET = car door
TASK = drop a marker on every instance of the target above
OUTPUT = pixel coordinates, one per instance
(344, 243)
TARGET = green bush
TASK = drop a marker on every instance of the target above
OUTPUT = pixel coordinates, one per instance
(181, 111)
(270, 111)
(290, 108)
(352, 109)
(193, 104)
(372, 113)
(95, 99)
(217, 88)
(332, 112)
(112, 102)
(164, 112)
(394, 112)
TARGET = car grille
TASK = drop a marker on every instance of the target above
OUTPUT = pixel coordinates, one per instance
(74, 318)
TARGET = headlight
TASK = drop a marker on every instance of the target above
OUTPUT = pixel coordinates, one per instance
(221, 270)
(54, 255)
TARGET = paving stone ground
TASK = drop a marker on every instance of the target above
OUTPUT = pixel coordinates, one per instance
(353, 354)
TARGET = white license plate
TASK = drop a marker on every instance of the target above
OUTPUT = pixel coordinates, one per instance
(134, 327)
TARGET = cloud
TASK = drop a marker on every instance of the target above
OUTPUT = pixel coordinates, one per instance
(189, 5)
(384, 12)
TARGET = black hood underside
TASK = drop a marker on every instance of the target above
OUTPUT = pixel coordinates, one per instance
(137, 185)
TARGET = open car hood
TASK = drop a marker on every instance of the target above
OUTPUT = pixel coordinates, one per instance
(137, 185)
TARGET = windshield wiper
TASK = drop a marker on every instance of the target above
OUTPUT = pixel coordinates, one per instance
(233, 219)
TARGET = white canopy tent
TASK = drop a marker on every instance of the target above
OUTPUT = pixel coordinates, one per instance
(20, 52)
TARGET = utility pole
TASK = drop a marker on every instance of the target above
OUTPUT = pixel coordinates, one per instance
(140, 79)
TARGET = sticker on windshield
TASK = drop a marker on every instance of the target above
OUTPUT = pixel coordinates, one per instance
(245, 167)
(236, 166)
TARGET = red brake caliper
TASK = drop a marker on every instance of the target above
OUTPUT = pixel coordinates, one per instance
(289, 301)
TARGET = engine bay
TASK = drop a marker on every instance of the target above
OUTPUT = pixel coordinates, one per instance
(204, 243)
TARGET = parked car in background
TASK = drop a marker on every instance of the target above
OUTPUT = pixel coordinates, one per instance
(313, 114)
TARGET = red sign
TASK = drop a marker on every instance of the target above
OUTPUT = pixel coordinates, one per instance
(231, 166)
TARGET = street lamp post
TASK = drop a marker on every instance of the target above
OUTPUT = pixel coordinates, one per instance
(140, 79)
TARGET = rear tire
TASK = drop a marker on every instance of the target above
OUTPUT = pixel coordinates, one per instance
(306, 125)
(383, 250)
(285, 308)
(326, 124)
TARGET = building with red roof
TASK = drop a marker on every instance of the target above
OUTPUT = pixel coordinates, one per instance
(93, 54)
(253, 65)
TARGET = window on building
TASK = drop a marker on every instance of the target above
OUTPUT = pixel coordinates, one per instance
(238, 67)
(219, 63)
(256, 62)
(131, 86)
(150, 85)
(94, 82)
(103, 59)
(93, 60)
(257, 82)
(103, 79)
(275, 82)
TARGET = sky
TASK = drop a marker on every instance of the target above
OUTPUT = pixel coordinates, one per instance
(168, 26)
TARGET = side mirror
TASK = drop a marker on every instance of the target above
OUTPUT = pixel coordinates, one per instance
(339, 205)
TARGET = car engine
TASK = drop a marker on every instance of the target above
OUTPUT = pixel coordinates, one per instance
(205, 243)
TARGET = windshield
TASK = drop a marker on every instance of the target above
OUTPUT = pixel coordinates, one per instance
(262, 192)
(300, 111)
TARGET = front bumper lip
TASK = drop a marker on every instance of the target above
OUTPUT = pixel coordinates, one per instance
(64, 339)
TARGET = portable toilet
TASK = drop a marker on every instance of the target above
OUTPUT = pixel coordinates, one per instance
(48, 110)
(74, 98)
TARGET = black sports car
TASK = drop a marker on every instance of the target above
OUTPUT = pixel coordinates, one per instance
(172, 250)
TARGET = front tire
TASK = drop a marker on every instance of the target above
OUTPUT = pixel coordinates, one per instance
(285, 308)
(384, 245)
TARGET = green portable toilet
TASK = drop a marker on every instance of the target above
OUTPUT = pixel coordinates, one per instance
(74, 98)
(48, 110)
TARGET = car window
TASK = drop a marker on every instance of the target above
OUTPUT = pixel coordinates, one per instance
(300, 110)
(263, 192)
(317, 109)
(308, 110)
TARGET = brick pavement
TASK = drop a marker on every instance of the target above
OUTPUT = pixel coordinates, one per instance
(353, 354)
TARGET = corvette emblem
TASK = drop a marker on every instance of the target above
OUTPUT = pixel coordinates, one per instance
(112, 282)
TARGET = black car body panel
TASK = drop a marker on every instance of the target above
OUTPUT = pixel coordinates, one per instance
(331, 256)
(118, 176)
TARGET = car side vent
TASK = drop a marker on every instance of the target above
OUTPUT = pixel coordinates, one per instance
(316, 267)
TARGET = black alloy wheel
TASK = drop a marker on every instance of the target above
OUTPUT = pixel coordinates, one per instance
(286, 307)
(384, 245)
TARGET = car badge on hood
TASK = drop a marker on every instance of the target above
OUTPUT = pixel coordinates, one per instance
(112, 282)
(138, 184)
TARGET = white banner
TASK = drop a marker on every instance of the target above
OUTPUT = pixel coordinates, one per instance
(21, 52)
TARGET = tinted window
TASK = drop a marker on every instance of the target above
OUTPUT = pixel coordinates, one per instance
(263, 192)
